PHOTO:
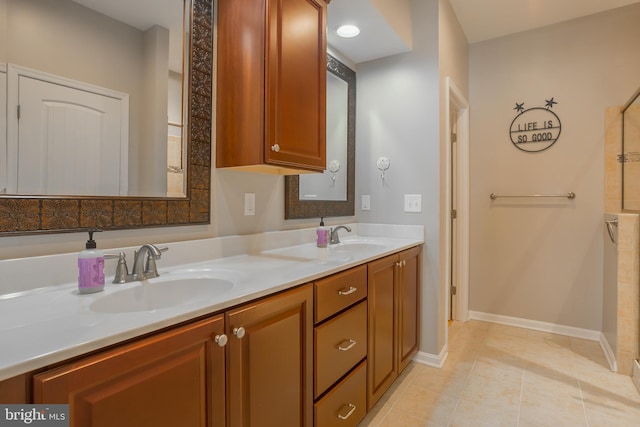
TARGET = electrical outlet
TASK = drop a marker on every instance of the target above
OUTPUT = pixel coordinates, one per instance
(366, 202)
(249, 204)
(413, 203)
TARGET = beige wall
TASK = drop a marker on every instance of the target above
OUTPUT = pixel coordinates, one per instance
(542, 259)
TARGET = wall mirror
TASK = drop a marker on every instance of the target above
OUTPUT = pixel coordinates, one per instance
(162, 87)
(331, 193)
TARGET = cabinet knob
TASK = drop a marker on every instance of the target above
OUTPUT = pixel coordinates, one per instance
(221, 340)
(239, 332)
(352, 409)
(275, 147)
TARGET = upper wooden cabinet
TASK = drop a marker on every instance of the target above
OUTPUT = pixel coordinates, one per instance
(271, 85)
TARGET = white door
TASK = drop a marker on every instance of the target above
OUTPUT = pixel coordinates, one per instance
(69, 141)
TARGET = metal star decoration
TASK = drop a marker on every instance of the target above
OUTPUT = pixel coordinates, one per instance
(550, 103)
(519, 107)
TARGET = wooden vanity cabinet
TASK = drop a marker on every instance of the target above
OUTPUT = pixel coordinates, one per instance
(175, 378)
(318, 355)
(393, 297)
(188, 377)
(15, 389)
(340, 348)
(270, 361)
(271, 85)
(409, 277)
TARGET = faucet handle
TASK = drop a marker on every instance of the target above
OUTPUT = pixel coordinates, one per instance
(122, 271)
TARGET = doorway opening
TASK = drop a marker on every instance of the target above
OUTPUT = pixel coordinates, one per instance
(457, 205)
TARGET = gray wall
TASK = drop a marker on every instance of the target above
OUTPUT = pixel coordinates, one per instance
(542, 259)
(398, 117)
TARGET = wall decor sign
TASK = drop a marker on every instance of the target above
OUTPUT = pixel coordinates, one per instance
(535, 129)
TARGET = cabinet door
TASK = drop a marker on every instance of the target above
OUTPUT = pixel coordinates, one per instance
(408, 305)
(296, 83)
(175, 378)
(382, 355)
(270, 364)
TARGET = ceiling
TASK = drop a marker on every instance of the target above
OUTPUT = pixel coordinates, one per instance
(480, 19)
(486, 19)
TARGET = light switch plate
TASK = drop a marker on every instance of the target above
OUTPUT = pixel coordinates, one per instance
(413, 202)
(366, 202)
(249, 204)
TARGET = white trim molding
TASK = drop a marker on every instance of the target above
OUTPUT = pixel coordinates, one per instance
(608, 353)
(433, 360)
(536, 325)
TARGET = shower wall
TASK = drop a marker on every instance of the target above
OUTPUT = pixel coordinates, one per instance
(624, 336)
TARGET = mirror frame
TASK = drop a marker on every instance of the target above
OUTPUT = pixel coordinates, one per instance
(294, 208)
(52, 214)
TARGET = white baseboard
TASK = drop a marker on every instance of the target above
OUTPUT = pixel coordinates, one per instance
(608, 353)
(536, 325)
(635, 376)
(435, 361)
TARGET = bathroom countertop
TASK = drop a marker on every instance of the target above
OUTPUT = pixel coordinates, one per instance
(39, 327)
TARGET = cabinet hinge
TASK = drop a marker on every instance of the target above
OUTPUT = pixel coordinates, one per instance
(454, 290)
(454, 137)
(454, 214)
(18, 111)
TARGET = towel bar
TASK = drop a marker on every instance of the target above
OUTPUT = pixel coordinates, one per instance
(570, 195)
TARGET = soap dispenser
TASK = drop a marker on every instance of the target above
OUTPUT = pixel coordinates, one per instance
(90, 267)
(322, 234)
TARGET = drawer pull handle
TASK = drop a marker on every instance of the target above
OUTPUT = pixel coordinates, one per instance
(348, 347)
(348, 291)
(351, 411)
(239, 332)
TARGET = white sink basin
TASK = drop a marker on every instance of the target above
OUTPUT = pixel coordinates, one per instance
(357, 246)
(311, 253)
(332, 254)
(161, 292)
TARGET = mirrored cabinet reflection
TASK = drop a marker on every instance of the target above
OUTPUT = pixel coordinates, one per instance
(332, 192)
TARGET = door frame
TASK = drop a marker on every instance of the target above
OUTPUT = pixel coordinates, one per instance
(455, 99)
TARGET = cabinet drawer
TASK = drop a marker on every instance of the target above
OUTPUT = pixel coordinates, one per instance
(340, 344)
(339, 291)
(345, 405)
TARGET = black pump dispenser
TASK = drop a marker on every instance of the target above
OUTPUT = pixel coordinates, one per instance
(91, 244)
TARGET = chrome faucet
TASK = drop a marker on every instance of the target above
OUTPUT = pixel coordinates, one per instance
(144, 264)
(335, 238)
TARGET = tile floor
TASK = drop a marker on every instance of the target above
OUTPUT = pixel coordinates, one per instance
(498, 375)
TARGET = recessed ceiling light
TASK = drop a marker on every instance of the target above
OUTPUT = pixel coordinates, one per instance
(348, 31)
